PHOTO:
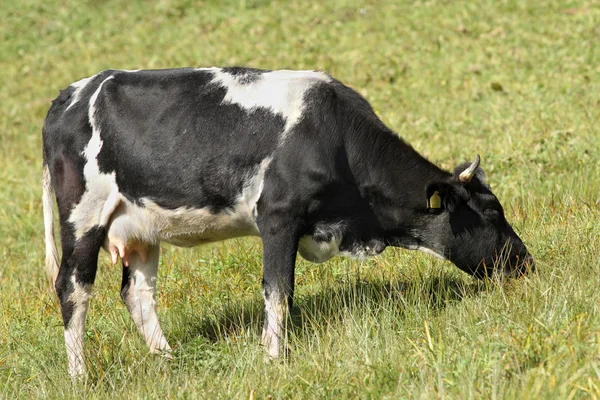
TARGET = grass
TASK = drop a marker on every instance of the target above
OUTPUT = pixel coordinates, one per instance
(516, 81)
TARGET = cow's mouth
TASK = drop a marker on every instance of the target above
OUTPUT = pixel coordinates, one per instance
(523, 266)
(517, 267)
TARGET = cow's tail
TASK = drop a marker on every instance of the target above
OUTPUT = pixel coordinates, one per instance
(48, 206)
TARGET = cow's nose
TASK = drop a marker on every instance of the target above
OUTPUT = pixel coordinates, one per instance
(528, 263)
(525, 264)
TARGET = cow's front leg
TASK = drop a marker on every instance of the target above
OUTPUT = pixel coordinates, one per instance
(280, 246)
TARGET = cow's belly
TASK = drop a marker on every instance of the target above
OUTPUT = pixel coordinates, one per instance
(133, 228)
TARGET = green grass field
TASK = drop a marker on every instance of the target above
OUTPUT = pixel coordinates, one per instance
(515, 81)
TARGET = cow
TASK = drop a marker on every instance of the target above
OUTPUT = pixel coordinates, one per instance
(195, 155)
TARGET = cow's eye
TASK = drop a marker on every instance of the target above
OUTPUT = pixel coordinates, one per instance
(491, 213)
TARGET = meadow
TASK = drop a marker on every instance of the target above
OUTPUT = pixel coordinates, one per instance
(515, 81)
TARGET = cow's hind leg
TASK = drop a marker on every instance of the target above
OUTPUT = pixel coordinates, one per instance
(138, 292)
(74, 285)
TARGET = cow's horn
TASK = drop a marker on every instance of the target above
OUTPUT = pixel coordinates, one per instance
(468, 173)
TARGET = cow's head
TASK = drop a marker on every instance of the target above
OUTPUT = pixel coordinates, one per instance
(466, 224)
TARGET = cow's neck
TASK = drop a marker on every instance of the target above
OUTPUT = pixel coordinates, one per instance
(392, 177)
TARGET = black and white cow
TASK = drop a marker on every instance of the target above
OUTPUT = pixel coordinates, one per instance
(190, 156)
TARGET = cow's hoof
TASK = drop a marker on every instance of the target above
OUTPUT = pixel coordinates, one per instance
(278, 356)
(164, 353)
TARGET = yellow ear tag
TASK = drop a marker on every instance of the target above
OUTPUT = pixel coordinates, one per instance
(435, 201)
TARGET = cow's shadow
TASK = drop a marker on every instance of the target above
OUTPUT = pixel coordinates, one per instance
(323, 305)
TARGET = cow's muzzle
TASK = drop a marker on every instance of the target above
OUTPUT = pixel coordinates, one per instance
(521, 265)
(526, 266)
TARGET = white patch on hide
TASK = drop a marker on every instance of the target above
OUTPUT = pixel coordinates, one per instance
(79, 86)
(253, 189)
(414, 243)
(131, 227)
(281, 92)
(426, 250)
(101, 196)
(183, 226)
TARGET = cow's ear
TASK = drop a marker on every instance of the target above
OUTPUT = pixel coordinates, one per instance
(443, 196)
